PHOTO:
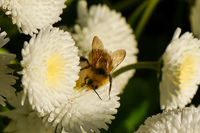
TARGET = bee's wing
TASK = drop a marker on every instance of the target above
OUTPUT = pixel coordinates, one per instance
(97, 49)
(97, 44)
(117, 57)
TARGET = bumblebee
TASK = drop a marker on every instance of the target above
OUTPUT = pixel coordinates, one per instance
(100, 65)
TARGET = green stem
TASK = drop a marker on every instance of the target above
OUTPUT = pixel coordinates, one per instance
(136, 13)
(68, 2)
(139, 65)
(124, 4)
(145, 17)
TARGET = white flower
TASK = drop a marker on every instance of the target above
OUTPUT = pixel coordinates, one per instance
(180, 72)
(23, 118)
(31, 15)
(186, 120)
(85, 111)
(195, 18)
(50, 69)
(112, 30)
(6, 80)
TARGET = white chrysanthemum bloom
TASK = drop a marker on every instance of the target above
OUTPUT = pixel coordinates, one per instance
(84, 111)
(180, 72)
(23, 118)
(112, 30)
(50, 69)
(195, 18)
(32, 15)
(6, 79)
(186, 120)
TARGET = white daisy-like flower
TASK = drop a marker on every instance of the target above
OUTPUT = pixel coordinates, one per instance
(6, 79)
(23, 118)
(195, 18)
(50, 69)
(112, 30)
(85, 110)
(186, 120)
(32, 15)
(180, 72)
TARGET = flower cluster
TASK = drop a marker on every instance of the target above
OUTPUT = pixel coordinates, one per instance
(66, 82)
(53, 98)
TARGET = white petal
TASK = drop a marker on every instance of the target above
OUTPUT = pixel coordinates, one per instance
(86, 111)
(3, 40)
(23, 118)
(186, 120)
(180, 72)
(50, 69)
(33, 14)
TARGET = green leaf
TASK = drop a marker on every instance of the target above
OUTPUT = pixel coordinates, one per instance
(136, 115)
(145, 17)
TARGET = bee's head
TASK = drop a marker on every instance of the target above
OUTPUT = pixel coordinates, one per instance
(95, 87)
(90, 83)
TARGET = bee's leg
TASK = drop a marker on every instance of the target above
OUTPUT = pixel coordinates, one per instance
(86, 67)
(97, 94)
(84, 81)
(110, 79)
(88, 64)
(82, 58)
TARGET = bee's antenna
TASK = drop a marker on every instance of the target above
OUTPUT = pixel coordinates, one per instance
(97, 94)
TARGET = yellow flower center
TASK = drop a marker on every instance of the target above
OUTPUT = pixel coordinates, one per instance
(55, 72)
(186, 71)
